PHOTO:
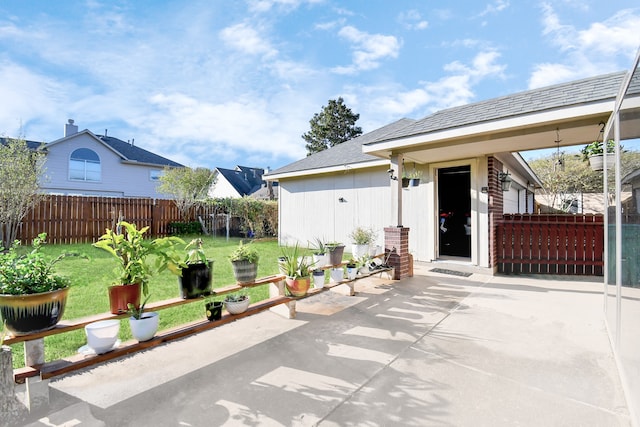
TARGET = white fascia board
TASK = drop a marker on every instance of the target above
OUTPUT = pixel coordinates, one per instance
(493, 126)
(325, 170)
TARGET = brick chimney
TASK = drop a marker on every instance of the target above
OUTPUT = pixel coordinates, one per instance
(70, 128)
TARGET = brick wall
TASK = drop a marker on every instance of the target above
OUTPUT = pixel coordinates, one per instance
(496, 203)
(396, 246)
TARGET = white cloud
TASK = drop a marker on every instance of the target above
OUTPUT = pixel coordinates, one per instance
(456, 88)
(603, 47)
(495, 7)
(247, 40)
(368, 49)
(412, 20)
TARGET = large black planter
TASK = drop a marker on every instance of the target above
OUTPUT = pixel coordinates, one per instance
(25, 314)
(196, 280)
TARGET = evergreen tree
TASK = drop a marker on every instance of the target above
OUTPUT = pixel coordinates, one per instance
(334, 125)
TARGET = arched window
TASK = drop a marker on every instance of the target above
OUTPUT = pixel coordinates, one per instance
(84, 165)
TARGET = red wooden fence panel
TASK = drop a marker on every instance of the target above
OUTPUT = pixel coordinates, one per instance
(550, 244)
(82, 219)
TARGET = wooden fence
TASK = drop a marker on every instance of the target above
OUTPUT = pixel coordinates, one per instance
(550, 244)
(82, 219)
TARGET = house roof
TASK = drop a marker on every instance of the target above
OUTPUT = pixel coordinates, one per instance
(532, 101)
(133, 153)
(379, 143)
(127, 151)
(245, 180)
(33, 145)
(347, 153)
(522, 121)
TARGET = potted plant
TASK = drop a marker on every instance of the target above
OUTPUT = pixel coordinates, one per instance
(318, 278)
(594, 153)
(351, 269)
(336, 250)
(362, 238)
(237, 303)
(298, 269)
(32, 296)
(213, 310)
(414, 176)
(319, 253)
(143, 325)
(137, 259)
(244, 259)
(196, 277)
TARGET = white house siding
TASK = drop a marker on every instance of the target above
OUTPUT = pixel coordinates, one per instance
(223, 188)
(311, 207)
(117, 179)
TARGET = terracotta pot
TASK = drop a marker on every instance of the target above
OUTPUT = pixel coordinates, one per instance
(25, 314)
(298, 287)
(121, 295)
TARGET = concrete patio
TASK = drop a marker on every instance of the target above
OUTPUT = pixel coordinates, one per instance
(435, 349)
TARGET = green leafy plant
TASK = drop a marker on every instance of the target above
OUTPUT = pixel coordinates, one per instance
(236, 296)
(195, 252)
(134, 254)
(597, 147)
(412, 174)
(363, 236)
(136, 313)
(31, 272)
(294, 264)
(245, 252)
(332, 245)
(318, 246)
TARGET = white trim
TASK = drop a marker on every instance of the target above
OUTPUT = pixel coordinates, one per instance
(325, 170)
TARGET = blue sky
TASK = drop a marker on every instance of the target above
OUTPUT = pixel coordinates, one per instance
(217, 83)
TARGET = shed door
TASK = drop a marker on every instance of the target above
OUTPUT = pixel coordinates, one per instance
(454, 207)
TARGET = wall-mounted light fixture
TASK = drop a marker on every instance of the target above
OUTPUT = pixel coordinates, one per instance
(504, 180)
(342, 200)
(390, 172)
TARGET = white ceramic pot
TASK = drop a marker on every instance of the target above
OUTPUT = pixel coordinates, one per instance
(375, 250)
(102, 335)
(352, 272)
(320, 260)
(359, 251)
(145, 328)
(237, 307)
(318, 279)
(337, 274)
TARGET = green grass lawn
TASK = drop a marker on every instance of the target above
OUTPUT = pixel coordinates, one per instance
(90, 279)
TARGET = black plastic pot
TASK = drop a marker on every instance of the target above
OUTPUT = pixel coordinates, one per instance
(196, 280)
(213, 310)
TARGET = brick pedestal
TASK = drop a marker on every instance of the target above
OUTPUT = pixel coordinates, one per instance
(396, 248)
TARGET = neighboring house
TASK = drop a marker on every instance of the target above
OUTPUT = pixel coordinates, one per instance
(82, 163)
(241, 181)
(463, 154)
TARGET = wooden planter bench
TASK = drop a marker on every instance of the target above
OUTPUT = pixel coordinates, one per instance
(37, 370)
